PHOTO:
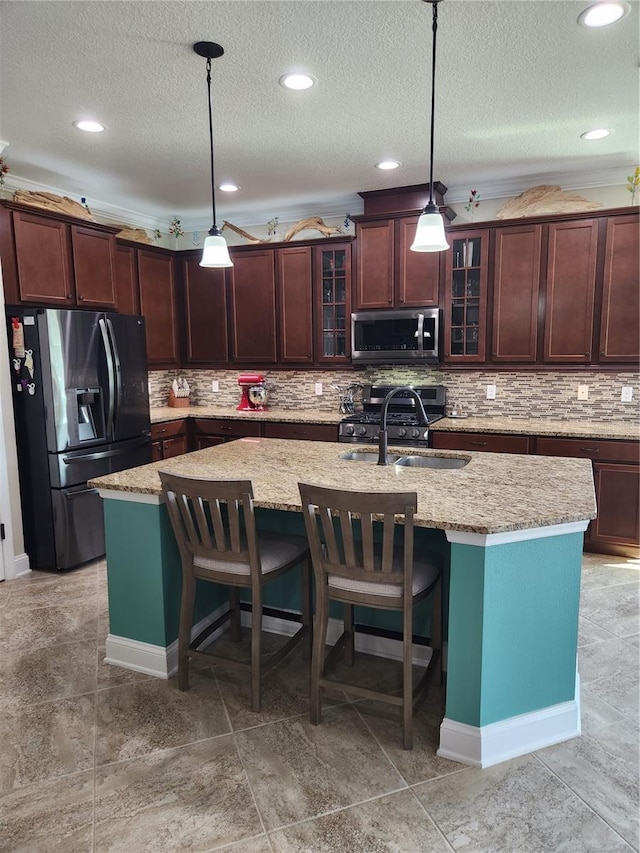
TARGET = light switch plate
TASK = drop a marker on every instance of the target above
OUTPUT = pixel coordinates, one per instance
(318, 388)
(215, 385)
(583, 392)
(491, 392)
(626, 395)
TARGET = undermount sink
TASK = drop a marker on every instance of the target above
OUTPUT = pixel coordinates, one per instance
(407, 461)
(367, 456)
(431, 462)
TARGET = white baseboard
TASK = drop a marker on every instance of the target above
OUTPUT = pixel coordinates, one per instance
(159, 661)
(483, 746)
(21, 566)
(162, 662)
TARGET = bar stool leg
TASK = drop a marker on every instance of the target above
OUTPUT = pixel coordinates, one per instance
(317, 659)
(184, 629)
(350, 646)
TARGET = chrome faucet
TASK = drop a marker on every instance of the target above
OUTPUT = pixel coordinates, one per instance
(382, 435)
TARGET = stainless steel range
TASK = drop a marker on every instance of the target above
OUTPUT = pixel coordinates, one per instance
(402, 423)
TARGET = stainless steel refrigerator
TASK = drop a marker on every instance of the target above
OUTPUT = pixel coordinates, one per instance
(81, 407)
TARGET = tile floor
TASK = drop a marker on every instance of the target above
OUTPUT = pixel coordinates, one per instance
(97, 758)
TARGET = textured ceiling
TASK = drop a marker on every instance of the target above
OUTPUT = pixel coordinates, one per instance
(517, 82)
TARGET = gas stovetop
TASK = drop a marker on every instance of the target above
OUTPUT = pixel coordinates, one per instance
(402, 419)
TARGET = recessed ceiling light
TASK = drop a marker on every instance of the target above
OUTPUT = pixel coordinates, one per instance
(297, 81)
(602, 14)
(89, 126)
(229, 188)
(388, 164)
(599, 133)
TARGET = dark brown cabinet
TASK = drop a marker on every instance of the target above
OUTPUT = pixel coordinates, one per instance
(207, 432)
(252, 291)
(169, 438)
(156, 283)
(619, 328)
(94, 265)
(301, 431)
(616, 468)
(388, 273)
(516, 289)
(127, 280)
(332, 284)
(490, 442)
(62, 263)
(295, 299)
(205, 306)
(570, 291)
(465, 296)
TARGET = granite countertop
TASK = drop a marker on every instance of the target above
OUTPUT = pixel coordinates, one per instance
(541, 426)
(494, 493)
(517, 426)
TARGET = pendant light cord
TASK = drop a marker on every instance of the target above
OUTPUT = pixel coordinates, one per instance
(213, 193)
(433, 96)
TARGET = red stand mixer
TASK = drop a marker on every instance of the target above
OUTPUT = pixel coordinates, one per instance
(254, 393)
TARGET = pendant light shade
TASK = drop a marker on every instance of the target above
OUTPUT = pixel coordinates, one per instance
(215, 253)
(430, 236)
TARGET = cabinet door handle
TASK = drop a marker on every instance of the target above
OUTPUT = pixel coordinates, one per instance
(401, 300)
(603, 354)
(478, 443)
(299, 432)
(225, 428)
(587, 355)
(80, 298)
(589, 450)
(389, 299)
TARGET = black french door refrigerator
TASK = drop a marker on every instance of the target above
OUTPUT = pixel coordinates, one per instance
(81, 406)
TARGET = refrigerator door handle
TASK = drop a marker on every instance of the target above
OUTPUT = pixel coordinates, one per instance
(117, 370)
(71, 495)
(110, 375)
(103, 454)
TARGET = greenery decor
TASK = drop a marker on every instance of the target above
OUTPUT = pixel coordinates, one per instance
(633, 183)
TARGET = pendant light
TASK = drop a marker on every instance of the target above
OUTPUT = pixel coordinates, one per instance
(430, 236)
(215, 253)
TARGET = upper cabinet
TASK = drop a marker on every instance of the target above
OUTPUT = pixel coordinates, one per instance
(516, 291)
(52, 260)
(295, 304)
(127, 279)
(619, 328)
(332, 283)
(205, 305)
(252, 291)
(465, 297)
(570, 293)
(388, 274)
(157, 287)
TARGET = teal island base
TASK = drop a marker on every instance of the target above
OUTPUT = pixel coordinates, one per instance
(512, 626)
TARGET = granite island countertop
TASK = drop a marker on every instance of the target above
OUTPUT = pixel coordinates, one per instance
(493, 493)
(570, 428)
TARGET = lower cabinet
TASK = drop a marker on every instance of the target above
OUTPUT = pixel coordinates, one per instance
(490, 442)
(302, 432)
(208, 432)
(616, 474)
(169, 438)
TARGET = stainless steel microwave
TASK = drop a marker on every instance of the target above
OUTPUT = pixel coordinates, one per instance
(402, 336)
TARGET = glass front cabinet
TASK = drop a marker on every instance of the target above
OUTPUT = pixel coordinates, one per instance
(465, 305)
(333, 303)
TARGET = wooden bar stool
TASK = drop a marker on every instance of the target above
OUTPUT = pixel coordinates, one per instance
(214, 525)
(355, 569)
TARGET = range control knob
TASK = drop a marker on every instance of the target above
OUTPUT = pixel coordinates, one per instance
(349, 429)
(402, 432)
(415, 433)
(362, 430)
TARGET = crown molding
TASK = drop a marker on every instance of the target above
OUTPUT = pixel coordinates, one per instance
(335, 208)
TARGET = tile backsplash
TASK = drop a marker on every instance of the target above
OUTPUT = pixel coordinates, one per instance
(519, 394)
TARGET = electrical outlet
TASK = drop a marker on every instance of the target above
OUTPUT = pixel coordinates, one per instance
(215, 385)
(583, 392)
(318, 388)
(149, 387)
(491, 392)
(626, 396)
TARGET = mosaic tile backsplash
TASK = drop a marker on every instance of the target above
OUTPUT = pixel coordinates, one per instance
(519, 394)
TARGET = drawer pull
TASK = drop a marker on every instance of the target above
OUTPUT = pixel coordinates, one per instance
(589, 450)
(478, 443)
(299, 432)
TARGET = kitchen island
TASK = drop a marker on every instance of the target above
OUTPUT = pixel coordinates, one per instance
(510, 526)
